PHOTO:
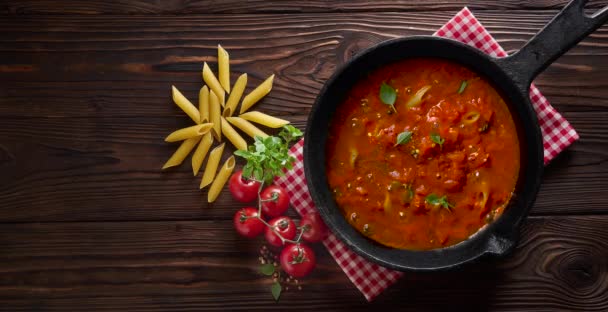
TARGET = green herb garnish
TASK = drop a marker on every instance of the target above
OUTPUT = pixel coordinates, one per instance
(439, 201)
(267, 269)
(267, 157)
(403, 137)
(388, 95)
(437, 139)
(463, 85)
(276, 289)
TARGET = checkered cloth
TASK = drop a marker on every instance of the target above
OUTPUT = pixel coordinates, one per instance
(371, 279)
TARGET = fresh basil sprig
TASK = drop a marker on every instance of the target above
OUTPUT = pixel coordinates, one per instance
(268, 157)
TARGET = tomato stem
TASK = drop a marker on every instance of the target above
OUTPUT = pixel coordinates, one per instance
(260, 201)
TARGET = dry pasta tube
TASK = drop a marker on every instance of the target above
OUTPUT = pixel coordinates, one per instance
(221, 179)
(189, 132)
(263, 119)
(201, 152)
(257, 94)
(187, 106)
(203, 104)
(234, 137)
(215, 115)
(223, 64)
(246, 127)
(212, 82)
(214, 160)
(181, 153)
(235, 96)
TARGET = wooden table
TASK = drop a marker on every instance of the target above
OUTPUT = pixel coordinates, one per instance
(89, 222)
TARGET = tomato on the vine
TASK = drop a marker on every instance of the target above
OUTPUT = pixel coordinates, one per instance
(247, 224)
(313, 227)
(298, 260)
(284, 226)
(243, 190)
(275, 201)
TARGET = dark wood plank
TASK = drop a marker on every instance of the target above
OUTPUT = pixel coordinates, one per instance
(265, 6)
(561, 264)
(105, 66)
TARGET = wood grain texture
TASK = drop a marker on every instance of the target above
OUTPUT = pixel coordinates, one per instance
(266, 6)
(560, 264)
(104, 66)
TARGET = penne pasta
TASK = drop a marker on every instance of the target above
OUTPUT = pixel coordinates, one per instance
(214, 160)
(201, 152)
(233, 136)
(223, 71)
(215, 115)
(352, 160)
(263, 119)
(212, 82)
(203, 104)
(257, 94)
(235, 96)
(187, 106)
(220, 180)
(470, 118)
(189, 132)
(181, 153)
(246, 127)
(388, 204)
(417, 98)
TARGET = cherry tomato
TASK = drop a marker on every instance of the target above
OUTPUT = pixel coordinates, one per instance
(313, 227)
(242, 189)
(297, 260)
(275, 201)
(246, 223)
(285, 227)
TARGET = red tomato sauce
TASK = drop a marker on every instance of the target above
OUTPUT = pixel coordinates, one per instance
(454, 174)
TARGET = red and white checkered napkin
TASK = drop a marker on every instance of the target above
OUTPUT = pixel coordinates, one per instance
(371, 279)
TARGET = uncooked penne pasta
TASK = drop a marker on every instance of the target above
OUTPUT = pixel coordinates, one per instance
(257, 94)
(263, 119)
(214, 160)
(201, 152)
(189, 132)
(221, 179)
(234, 137)
(182, 152)
(203, 104)
(235, 96)
(215, 115)
(246, 127)
(223, 68)
(187, 106)
(212, 82)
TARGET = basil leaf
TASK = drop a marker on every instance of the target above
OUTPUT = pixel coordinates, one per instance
(463, 86)
(439, 201)
(388, 95)
(432, 199)
(276, 290)
(404, 137)
(267, 269)
(437, 139)
(247, 171)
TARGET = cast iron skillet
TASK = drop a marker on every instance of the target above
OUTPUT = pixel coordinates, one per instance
(511, 76)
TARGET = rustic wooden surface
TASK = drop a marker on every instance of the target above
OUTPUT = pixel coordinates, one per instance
(88, 222)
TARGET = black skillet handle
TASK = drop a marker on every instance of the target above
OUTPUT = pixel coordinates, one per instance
(566, 29)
